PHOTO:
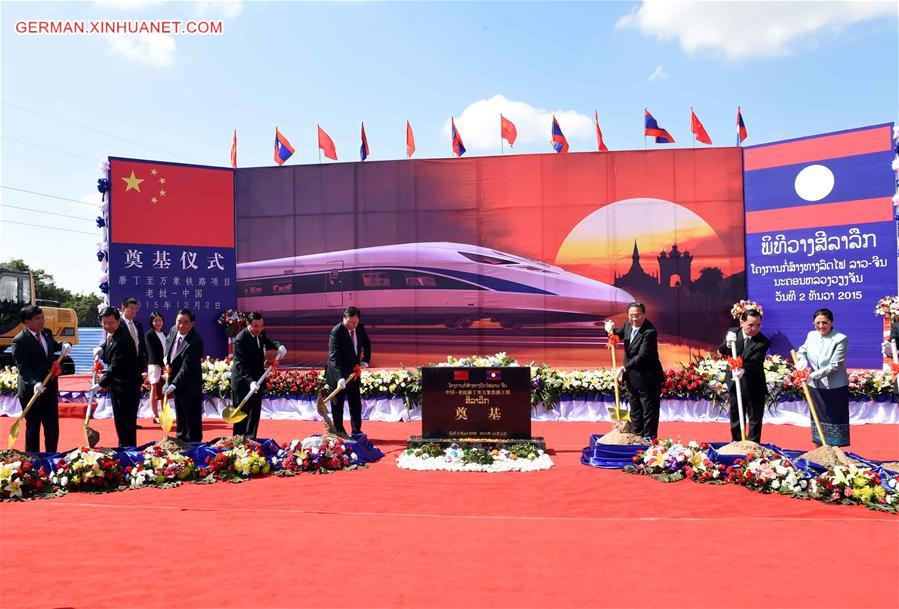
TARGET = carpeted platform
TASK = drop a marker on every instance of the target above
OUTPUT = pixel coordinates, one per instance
(573, 536)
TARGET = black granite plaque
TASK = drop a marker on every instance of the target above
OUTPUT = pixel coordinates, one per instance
(485, 403)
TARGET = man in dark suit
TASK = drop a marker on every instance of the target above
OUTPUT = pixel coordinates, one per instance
(185, 357)
(33, 352)
(752, 346)
(348, 347)
(122, 379)
(642, 369)
(248, 364)
(130, 307)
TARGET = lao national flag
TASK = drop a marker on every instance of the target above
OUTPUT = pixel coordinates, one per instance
(201, 198)
(601, 145)
(494, 375)
(460, 375)
(326, 144)
(363, 150)
(458, 146)
(698, 130)
(283, 149)
(652, 129)
(507, 130)
(410, 141)
(560, 144)
(741, 127)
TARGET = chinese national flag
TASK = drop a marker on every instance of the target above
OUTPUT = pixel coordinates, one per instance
(698, 130)
(326, 144)
(234, 150)
(507, 130)
(169, 204)
(410, 141)
(601, 145)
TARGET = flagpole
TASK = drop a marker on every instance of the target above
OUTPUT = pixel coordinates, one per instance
(317, 127)
(502, 147)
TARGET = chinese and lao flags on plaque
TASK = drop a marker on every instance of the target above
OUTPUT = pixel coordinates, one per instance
(172, 242)
(820, 233)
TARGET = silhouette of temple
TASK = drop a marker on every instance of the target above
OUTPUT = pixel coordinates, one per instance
(674, 272)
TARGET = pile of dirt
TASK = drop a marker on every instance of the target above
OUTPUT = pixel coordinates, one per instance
(235, 441)
(893, 466)
(828, 456)
(173, 445)
(743, 447)
(15, 455)
(623, 438)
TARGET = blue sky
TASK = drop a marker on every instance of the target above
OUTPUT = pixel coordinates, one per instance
(796, 68)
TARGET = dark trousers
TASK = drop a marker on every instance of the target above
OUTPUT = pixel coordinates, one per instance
(45, 412)
(645, 403)
(189, 410)
(355, 401)
(124, 411)
(250, 425)
(754, 409)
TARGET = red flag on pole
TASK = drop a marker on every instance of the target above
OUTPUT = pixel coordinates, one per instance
(410, 141)
(507, 130)
(234, 150)
(326, 144)
(698, 130)
(599, 143)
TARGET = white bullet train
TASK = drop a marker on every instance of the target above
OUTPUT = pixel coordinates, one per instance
(452, 284)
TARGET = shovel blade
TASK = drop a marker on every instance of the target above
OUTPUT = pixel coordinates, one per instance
(14, 434)
(619, 414)
(165, 418)
(91, 436)
(232, 415)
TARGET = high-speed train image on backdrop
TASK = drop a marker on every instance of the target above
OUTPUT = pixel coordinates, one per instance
(451, 284)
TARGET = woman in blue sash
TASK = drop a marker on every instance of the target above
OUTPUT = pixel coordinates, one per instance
(824, 351)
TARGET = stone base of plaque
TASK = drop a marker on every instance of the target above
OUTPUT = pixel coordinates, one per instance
(475, 442)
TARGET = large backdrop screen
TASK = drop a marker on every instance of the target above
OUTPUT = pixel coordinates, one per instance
(524, 254)
(820, 232)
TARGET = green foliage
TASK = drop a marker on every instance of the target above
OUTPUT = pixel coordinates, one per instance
(430, 449)
(85, 305)
(523, 450)
(477, 455)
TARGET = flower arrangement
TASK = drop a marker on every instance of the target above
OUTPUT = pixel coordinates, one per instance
(401, 382)
(233, 321)
(849, 484)
(160, 467)
(771, 474)
(744, 305)
(236, 461)
(499, 360)
(87, 470)
(888, 307)
(669, 460)
(8, 379)
(217, 377)
(523, 457)
(294, 382)
(316, 454)
(20, 479)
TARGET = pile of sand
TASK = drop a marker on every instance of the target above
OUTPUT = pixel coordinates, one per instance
(616, 437)
(743, 447)
(828, 456)
(235, 440)
(15, 455)
(172, 445)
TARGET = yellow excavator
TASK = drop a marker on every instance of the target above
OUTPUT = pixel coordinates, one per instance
(16, 292)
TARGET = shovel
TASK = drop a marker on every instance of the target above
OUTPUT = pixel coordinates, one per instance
(14, 430)
(733, 350)
(811, 402)
(91, 435)
(321, 406)
(166, 416)
(617, 413)
(234, 415)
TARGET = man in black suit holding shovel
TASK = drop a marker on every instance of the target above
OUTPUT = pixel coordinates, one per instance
(122, 379)
(248, 364)
(348, 347)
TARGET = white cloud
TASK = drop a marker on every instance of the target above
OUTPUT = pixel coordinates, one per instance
(157, 50)
(740, 30)
(479, 123)
(229, 9)
(126, 5)
(657, 74)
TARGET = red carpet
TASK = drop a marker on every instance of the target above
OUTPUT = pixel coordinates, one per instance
(382, 537)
